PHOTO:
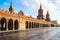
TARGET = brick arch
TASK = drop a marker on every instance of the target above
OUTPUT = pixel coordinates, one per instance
(27, 24)
(16, 24)
(3, 24)
(30, 24)
(10, 24)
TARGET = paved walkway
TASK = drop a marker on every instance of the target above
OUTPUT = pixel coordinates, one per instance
(34, 34)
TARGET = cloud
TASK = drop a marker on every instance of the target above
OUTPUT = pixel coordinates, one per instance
(57, 1)
(35, 4)
(51, 5)
(26, 3)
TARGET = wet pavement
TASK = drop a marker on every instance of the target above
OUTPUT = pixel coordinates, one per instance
(52, 33)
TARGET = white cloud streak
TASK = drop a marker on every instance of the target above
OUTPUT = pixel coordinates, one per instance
(33, 6)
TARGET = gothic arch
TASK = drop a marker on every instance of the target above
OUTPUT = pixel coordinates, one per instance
(3, 24)
(16, 25)
(10, 24)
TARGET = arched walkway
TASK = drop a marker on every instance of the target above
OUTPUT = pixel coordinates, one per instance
(32, 24)
(27, 26)
(16, 25)
(3, 24)
(52, 25)
(10, 24)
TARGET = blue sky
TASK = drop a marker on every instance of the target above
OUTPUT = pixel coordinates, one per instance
(30, 7)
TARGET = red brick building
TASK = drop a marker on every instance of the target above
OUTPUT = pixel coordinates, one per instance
(9, 20)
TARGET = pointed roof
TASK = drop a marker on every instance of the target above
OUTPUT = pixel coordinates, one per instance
(47, 16)
(11, 9)
(11, 5)
(40, 6)
(47, 13)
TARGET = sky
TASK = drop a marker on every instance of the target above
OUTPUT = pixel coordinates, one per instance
(30, 7)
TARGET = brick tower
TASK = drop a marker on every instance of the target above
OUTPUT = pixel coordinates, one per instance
(11, 9)
(47, 17)
(40, 13)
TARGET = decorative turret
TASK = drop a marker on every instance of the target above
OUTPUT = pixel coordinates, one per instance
(21, 13)
(40, 13)
(47, 17)
(11, 9)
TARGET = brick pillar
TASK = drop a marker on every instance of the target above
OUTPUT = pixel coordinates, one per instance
(33, 25)
(49, 25)
(41, 25)
(7, 25)
(13, 24)
(0, 25)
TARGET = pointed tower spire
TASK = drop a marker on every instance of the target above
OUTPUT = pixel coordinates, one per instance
(47, 17)
(40, 6)
(40, 13)
(11, 5)
(11, 8)
(47, 14)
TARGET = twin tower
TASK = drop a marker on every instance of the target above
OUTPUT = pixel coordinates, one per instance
(40, 13)
(41, 16)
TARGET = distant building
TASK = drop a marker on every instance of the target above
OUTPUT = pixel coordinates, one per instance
(54, 22)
